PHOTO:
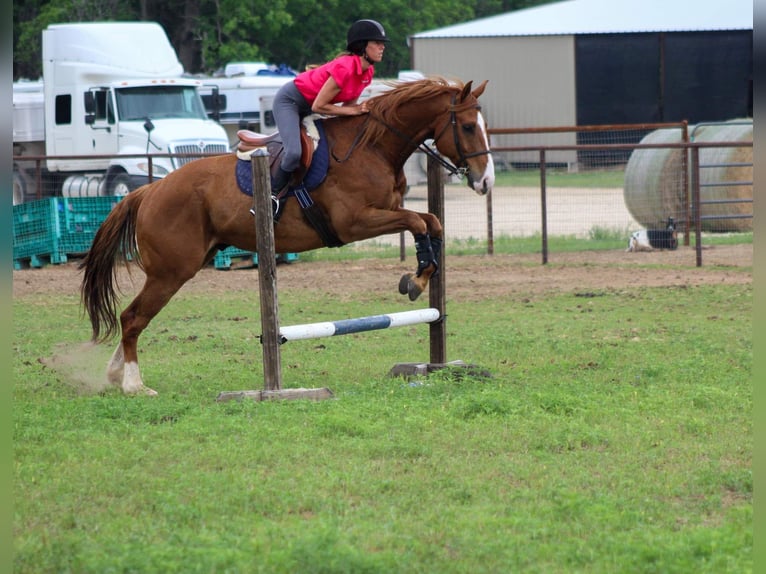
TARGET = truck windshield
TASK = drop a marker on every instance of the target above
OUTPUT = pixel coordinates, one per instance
(159, 102)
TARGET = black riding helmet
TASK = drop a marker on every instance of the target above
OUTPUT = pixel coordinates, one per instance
(363, 31)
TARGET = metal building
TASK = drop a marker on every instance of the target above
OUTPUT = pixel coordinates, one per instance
(596, 62)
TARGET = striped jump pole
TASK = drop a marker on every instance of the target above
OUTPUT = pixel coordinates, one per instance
(358, 325)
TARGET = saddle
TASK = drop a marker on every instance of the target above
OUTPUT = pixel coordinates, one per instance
(315, 160)
(249, 141)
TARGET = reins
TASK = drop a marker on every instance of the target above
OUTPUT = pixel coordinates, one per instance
(352, 147)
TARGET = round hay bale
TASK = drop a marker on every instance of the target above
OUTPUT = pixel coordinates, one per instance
(654, 189)
(724, 174)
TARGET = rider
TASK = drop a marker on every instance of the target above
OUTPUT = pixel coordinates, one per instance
(320, 90)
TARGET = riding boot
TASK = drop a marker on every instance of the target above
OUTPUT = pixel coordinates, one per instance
(279, 181)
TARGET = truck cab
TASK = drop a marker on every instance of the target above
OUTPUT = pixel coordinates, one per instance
(114, 106)
(141, 118)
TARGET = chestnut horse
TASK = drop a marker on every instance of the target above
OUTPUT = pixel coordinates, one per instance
(174, 226)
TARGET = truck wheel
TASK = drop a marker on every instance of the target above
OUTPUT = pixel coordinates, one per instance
(19, 188)
(120, 185)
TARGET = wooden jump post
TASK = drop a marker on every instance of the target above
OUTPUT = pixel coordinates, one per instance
(272, 336)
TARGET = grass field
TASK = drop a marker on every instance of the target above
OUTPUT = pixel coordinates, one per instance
(608, 178)
(613, 435)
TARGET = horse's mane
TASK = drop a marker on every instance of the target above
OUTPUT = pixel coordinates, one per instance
(386, 105)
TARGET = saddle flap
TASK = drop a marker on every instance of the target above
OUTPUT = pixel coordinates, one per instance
(249, 141)
(307, 148)
(315, 152)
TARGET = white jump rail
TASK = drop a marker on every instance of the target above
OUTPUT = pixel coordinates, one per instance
(357, 325)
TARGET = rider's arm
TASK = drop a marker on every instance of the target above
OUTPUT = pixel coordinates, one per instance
(323, 102)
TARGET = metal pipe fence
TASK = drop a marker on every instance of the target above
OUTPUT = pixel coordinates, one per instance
(545, 209)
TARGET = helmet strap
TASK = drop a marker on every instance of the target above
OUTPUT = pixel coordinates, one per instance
(365, 56)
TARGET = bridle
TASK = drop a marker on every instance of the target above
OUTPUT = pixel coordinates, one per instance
(462, 164)
(461, 169)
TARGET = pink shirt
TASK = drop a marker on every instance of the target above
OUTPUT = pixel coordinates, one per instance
(347, 72)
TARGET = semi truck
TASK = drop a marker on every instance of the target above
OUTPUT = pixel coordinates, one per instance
(112, 96)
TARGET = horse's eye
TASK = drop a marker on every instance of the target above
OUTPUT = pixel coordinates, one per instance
(469, 128)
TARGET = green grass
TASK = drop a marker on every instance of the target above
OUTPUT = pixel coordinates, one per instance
(599, 238)
(607, 178)
(614, 435)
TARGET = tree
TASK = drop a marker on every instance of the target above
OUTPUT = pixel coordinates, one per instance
(31, 17)
(209, 33)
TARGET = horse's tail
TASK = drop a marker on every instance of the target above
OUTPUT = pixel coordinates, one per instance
(115, 242)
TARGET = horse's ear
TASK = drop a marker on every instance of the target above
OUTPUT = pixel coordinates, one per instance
(480, 90)
(466, 90)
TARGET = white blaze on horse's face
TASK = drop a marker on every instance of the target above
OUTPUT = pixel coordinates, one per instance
(487, 181)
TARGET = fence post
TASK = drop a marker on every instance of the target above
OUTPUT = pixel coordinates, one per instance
(267, 273)
(490, 225)
(544, 206)
(436, 286)
(695, 181)
(685, 180)
(267, 286)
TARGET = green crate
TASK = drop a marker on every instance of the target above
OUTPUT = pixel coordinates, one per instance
(81, 219)
(223, 259)
(47, 230)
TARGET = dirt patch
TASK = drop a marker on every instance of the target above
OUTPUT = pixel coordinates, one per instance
(468, 277)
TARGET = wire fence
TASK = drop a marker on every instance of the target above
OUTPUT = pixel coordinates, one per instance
(598, 189)
(625, 178)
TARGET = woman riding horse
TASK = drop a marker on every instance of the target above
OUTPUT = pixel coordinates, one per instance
(330, 89)
(174, 226)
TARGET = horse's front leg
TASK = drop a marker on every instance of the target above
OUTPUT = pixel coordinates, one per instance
(425, 228)
(428, 248)
(133, 320)
(115, 369)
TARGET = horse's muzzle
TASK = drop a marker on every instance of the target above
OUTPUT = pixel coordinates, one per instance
(481, 187)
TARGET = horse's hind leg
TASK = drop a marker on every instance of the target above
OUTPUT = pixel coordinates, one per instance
(154, 295)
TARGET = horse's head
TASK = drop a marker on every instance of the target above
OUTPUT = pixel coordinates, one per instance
(435, 108)
(463, 138)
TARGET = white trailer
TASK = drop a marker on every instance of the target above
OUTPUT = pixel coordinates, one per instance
(109, 90)
(235, 102)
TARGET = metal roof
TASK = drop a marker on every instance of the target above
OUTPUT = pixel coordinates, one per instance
(607, 17)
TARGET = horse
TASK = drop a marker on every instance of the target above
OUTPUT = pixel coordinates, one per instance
(172, 227)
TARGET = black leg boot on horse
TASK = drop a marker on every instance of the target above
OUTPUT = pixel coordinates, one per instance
(427, 251)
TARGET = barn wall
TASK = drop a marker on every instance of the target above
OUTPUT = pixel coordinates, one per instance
(663, 77)
(708, 76)
(531, 83)
(597, 79)
(618, 79)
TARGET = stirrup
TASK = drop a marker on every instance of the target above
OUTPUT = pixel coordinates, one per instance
(275, 210)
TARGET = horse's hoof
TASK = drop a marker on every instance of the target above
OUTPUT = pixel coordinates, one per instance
(140, 391)
(414, 291)
(408, 286)
(404, 284)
